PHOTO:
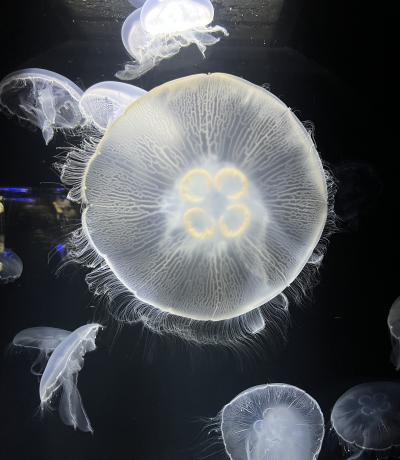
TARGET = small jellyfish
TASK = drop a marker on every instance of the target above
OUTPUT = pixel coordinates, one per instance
(159, 29)
(394, 329)
(10, 264)
(103, 102)
(44, 339)
(62, 372)
(43, 98)
(272, 422)
(367, 418)
(203, 202)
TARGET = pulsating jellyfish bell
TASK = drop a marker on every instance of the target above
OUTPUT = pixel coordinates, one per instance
(103, 102)
(11, 265)
(201, 204)
(394, 329)
(45, 99)
(272, 422)
(159, 29)
(62, 372)
(366, 418)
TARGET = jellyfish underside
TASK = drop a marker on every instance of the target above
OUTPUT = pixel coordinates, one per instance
(62, 373)
(44, 99)
(394, 329)
(367, 417)
(272, 422)
(150, 40)
(215, 211)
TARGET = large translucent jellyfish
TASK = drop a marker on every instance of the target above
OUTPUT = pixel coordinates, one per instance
(203, 201)
(160, 28)
(394, 329)
(272, 422)
(367, 418)
(44, 339)
(10, 263)
(42, 98)
(62, 372)
(103, 102)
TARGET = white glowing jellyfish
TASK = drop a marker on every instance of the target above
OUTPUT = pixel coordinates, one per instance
(43, 98)
(160, 28)
(43, 339)
(367, 418)
(204, 201)
(394, 329)
(62, 372)
(272, 422)
(10, 263)
(103, 102)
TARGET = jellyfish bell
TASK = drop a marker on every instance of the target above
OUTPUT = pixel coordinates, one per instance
(62, 372)
(45, 99)
(220, 201)
(158, 30)
(103, 102)
(271, 422)
(394, 329)
(11, 265)
(367, 418)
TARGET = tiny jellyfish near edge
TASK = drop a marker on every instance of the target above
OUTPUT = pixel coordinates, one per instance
(394, 329)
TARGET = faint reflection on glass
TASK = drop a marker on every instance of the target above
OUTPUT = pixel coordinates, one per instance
(366, 418)
(42, 98)
(272, 422)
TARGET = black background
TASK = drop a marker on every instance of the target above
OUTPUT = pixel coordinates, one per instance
(147, 397)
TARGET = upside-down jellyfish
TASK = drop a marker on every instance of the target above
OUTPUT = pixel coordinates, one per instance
(203, 201)
(43, 98)
(394, 329)
(159, 29)
(367, 418)
(10, 263)
(103, 102)
(272, 422)
(62, 372)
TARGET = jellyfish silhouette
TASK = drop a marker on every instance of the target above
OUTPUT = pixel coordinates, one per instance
(42, 98)
(272, 422)
(159, 29)
(62, 372)
(10, 264)
(103, 102)
(202, 203)
(366, 418)
(43, 339)
(394, 329)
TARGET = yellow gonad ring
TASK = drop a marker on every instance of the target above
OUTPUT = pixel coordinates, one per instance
(197, 213)
(199, 177)
(225, 174)
(237, 231)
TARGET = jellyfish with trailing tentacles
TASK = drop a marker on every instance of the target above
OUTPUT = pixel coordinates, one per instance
(42, 98)
(272, 422)
(43, 339)
(202, 203)
(366, 419)
(62, 372)
(160, 28)
(103, 102)
(10, 263)
(394, 329)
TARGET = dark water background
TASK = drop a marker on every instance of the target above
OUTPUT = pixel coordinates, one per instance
(147, 397)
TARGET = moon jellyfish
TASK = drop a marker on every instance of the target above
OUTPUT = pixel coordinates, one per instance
(160, 28)
(42, 98)
(202, 202)
(394, 329)
(44, 339)
(10, 264)
(103, 102)
(367, 418)
(272, 422)
(62, 372)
